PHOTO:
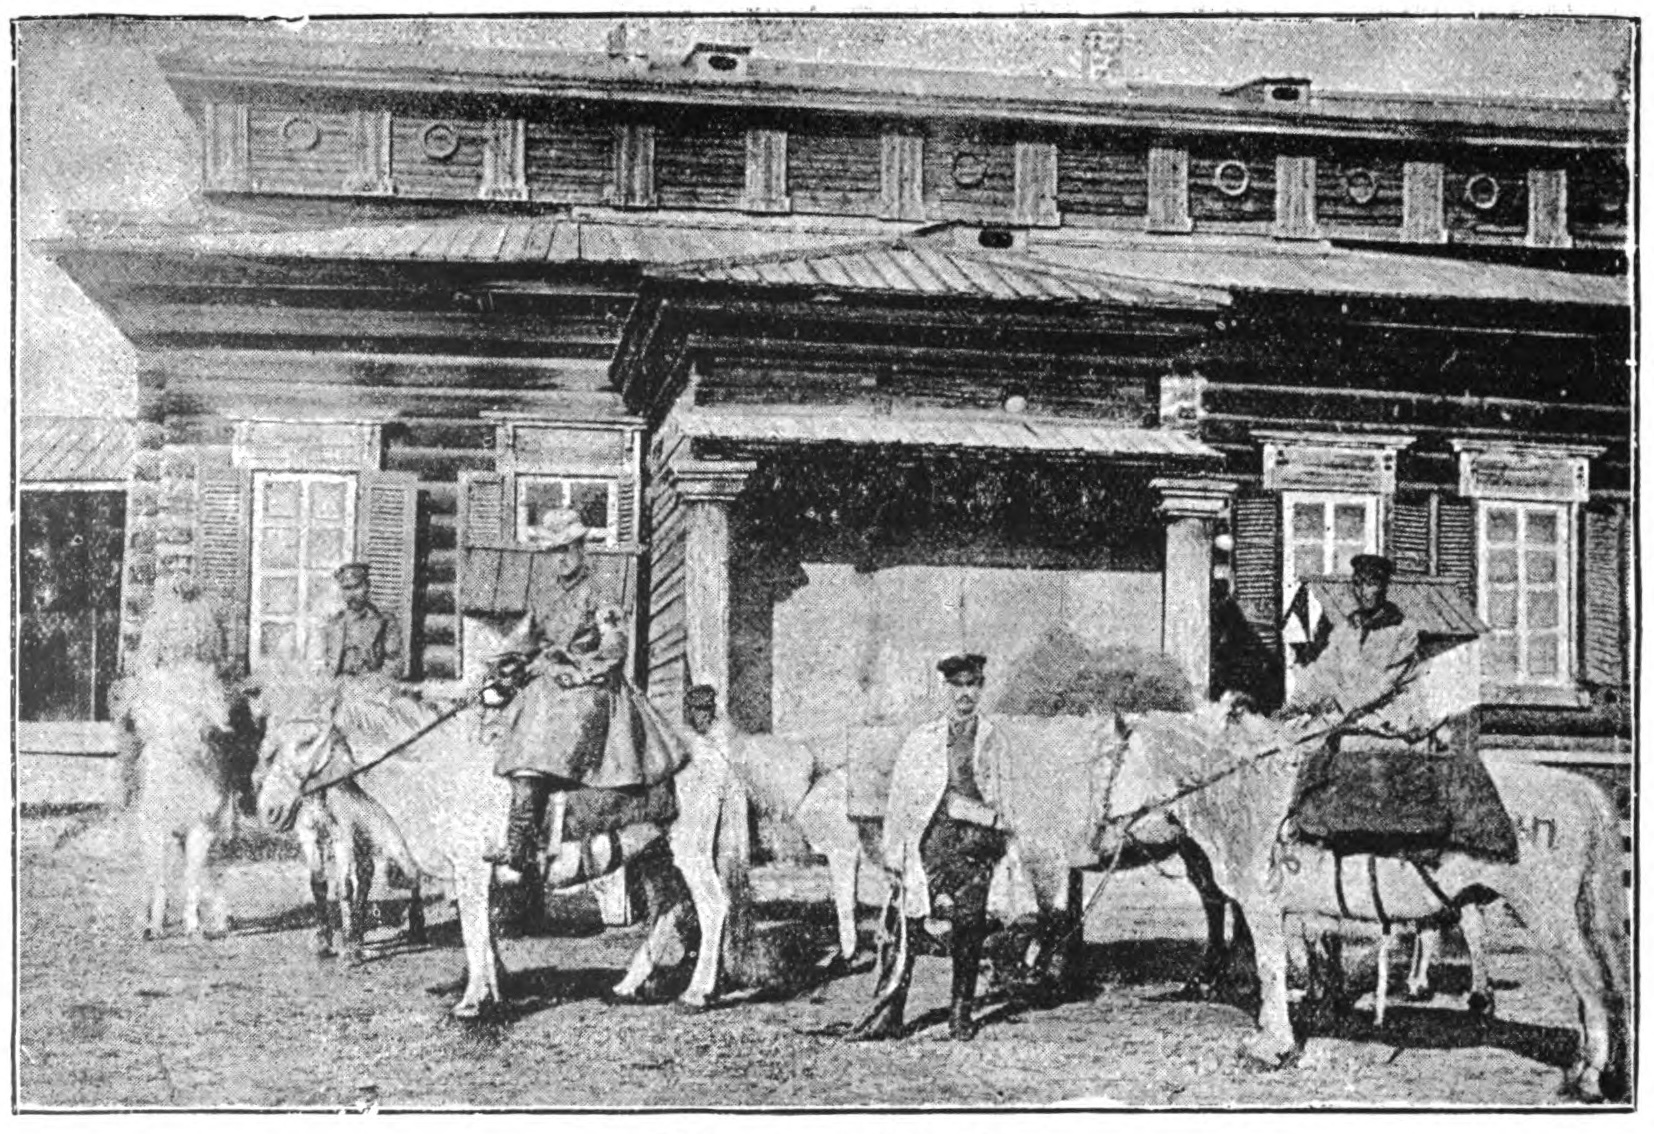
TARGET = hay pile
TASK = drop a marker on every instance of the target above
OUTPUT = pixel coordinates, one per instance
(1061, 676)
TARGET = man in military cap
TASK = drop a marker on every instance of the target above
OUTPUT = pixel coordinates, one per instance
(943, 834)
(1367, 657)
(360, 640)
(557, 727)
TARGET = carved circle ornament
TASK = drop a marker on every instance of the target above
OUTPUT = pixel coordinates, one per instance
(1481, 192)
(440, 141)
(1360, 186)
(1232, 178)
(299, 134)
(969, 169)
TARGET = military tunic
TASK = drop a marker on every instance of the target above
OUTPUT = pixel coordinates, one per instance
(359, 642)
(555, 731)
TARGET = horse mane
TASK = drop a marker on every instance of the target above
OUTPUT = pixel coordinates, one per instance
(372, 716)
(1060, 675)
(181, 703)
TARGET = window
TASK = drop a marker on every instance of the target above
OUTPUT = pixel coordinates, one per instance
(593, 499)
(304, 527)
(1525, 592)
(1323, 533)
(68, 603)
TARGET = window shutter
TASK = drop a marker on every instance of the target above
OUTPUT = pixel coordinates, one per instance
(1257, 560)
(386, 519)
(1456, 544)
(482, 522)
(1408, 541)
(1605, 593)
(224, 548)
(626, 533)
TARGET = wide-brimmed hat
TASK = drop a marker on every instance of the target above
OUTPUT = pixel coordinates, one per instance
(559, 527)
(1372, 565)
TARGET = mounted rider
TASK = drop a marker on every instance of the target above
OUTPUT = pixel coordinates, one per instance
(360, 640)
(1386, 783)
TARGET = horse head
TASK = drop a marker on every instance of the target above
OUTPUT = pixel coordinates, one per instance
(294, 752)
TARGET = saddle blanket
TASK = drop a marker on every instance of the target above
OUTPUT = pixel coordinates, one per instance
(597, 811)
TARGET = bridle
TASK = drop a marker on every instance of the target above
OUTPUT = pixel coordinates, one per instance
(306, 767)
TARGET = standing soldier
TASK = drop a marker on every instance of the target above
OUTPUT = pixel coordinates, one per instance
(360, 639)
(943, 834)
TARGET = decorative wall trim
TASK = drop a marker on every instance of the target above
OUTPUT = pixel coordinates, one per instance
(1295, 198)
(370, 143)
(1423, 216)
(902, 177)
(634, 167)
(1169, 191)
(1331, 462)
(503, 166)
(227, 152)
(1548, 209)
(1511, 470)
(1036, 185)
(309, 446)
(767, 173)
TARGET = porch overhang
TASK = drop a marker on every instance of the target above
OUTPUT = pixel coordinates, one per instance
(758, 428)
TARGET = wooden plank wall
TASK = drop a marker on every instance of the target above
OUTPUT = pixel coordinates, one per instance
(569, 158)
(700, 163)
(833, 166)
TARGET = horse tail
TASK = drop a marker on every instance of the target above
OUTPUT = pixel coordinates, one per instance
(1601, 907)
(733, 856)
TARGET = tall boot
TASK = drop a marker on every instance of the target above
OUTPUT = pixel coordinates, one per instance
(522, 835)
(967, 959)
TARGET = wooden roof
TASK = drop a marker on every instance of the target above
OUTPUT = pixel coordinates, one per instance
(71, 450)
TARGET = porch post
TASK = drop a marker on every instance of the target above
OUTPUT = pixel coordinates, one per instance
(707, 489)
(1191, 508)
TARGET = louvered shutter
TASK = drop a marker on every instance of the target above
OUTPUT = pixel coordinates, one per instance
(386, 520)
(224, 549)
(1408, 540)
(626, 533)
(483, 517)
(1605, 595)
(1456, 544)
(1257, 521)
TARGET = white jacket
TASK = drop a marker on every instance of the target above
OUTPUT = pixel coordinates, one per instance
(918, 782)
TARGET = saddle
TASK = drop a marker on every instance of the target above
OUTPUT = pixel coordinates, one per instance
(1396, 800)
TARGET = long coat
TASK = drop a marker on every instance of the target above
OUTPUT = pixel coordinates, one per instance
(558, 732)
(1366, 657)
(918, 782)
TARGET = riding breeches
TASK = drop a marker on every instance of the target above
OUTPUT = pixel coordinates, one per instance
(959, 859)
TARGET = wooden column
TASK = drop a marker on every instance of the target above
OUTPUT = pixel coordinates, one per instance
(1169, 190)
(707, 490)
(1423, 215)
(1191, 508)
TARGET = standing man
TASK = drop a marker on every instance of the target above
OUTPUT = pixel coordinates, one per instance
(360, 639)
(943, 835)
(557, 728)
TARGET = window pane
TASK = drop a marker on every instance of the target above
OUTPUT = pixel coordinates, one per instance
(279, 547)
(281, 499)
(1542, 610)
(590, 500)
(1349, 522)
(1541, 568)
(1501, 525)
(327, 547)
(280, 595)
(1308, 521)
(327, 501)
(1499, 654)
(321, 593)
(1542, 527)
(275, 639)
(1501, 608)
(1342, 554)
(538, 497)
(1306, 561)
(1542, 655)
(1501, 566)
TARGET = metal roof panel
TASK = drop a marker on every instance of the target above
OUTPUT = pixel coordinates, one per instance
(66, 450)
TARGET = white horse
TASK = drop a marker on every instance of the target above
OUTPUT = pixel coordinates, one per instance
(180, 712)
(1565, 889)
(442, 796)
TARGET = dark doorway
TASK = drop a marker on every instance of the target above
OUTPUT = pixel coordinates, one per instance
(69, 603)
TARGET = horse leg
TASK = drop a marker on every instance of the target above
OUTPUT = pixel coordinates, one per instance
(307, 830)
(197, 844)
(1198, 868)
(156, 851)
(664, 944)
(344, 891)
(1558, 934)
(1425, 946)
(1273, 1044)
(473, 881)
(416, 911)
(1474, 928)
(830, 832)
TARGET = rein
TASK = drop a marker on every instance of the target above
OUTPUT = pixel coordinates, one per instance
(311, 785)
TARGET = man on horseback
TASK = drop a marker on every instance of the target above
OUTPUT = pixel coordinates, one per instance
(556, 729)
(359, 639)
(1382, 784)
(943, 836)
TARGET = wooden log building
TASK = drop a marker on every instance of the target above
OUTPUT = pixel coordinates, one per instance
(854, 365)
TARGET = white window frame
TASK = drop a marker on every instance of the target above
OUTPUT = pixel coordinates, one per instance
(1289, 559)
(1567, 583)
(604, 537)
(303, 642)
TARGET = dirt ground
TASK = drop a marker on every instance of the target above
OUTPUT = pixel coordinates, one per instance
(106, 1020)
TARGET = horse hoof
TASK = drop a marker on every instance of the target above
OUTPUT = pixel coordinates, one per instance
(1420, 995)
(467, 1010)
(690, 1007)
(1262, 1058)
(1481, 1005)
